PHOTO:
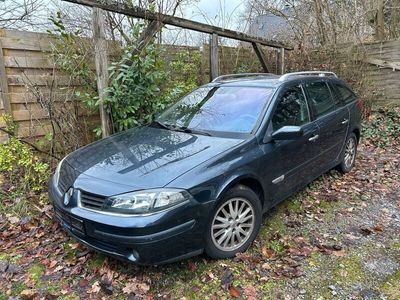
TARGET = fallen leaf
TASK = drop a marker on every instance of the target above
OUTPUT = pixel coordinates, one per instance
(191, 266)
(378, 228)
(266, 266)
(234, 292)
(95, 288)
(136, 287)
(267, 252)
(28, 294)
(13, 219)
(339, 253)
(52, 264)
(250, 292)
(83, 282)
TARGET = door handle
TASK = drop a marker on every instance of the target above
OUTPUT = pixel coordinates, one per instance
(345, 121)
(313, 138)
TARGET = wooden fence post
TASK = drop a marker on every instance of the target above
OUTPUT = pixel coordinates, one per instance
(280, 61)
(100, 47)
(261, 56)
(4, 97)
(213, 56)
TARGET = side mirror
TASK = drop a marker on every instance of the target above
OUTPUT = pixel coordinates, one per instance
(287, 133)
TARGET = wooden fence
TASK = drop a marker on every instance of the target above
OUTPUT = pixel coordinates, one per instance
(29, 78)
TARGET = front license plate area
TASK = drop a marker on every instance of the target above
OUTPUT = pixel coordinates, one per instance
(70, 222)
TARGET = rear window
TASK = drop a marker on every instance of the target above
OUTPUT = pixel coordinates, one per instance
(346, 94)
(320, 98)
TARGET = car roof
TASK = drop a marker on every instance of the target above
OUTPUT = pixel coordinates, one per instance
(271, 80)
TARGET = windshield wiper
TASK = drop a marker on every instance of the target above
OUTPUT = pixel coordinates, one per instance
(180, 128)
(161, 124)
(195, 131)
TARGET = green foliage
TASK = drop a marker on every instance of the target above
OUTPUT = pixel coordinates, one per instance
(140, 84)
(74, 55)
(383, 127)
(134, 87)
(183, 76)
(20, 164)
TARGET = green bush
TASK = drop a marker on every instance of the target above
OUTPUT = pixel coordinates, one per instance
(134, 87)
(20, 165)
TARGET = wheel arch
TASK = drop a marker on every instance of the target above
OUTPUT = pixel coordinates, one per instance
(357, 132)
(247, 180)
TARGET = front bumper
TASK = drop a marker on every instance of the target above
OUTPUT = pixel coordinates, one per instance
(154, 239)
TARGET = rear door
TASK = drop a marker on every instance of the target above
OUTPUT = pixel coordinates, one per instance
(332, 119)
(288, 164)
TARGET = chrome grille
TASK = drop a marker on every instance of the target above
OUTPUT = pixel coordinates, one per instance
(92, 201)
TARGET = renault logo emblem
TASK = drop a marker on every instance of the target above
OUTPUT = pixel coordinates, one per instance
(67, 196)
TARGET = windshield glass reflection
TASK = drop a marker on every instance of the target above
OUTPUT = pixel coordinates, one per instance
(226, 109)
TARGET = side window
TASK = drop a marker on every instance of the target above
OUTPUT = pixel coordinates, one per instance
(347, 95)
(337, 97)
(292, 109)
(320, 98)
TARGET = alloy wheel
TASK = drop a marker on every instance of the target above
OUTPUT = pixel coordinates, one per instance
(350, 153)
(233, 224)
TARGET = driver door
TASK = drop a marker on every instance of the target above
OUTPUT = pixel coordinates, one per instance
(288, 164)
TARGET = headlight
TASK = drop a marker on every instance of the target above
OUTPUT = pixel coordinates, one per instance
(147, 201)
(57, 172)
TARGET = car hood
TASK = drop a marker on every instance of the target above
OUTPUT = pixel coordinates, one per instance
(147, 157)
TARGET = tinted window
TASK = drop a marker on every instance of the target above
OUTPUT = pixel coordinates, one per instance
(320, 98)
(337, 97)
(346, 94)
(228, 109)
(291, 110)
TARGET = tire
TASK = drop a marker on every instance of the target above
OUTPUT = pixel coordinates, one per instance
(225, 221)
(348, 157)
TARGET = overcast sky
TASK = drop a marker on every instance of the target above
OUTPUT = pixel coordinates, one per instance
(217, 12)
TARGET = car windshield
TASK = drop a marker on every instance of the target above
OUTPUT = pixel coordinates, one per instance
(226, 109)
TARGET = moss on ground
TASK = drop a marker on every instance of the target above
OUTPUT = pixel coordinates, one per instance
(11, 258)
(349, 270)
(391, 287)
(36, 271)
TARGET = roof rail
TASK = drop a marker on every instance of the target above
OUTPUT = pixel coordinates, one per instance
(241, 75)
(307, 73)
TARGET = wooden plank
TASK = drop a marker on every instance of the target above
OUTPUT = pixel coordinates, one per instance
(28, 44)
(214, 63)
(280, 62)
(394, 65)
(41, 80)
(24, 115)
(39, 114)
(126, 9)
(28, 62)
(261, 57)
(5, 101)
(101, 62)
(28, 97)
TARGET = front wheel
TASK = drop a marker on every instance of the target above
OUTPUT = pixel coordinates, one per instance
(234, 223)
(349, 154)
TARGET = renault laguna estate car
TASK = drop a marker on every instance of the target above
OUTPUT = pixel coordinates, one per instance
(201, 175)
